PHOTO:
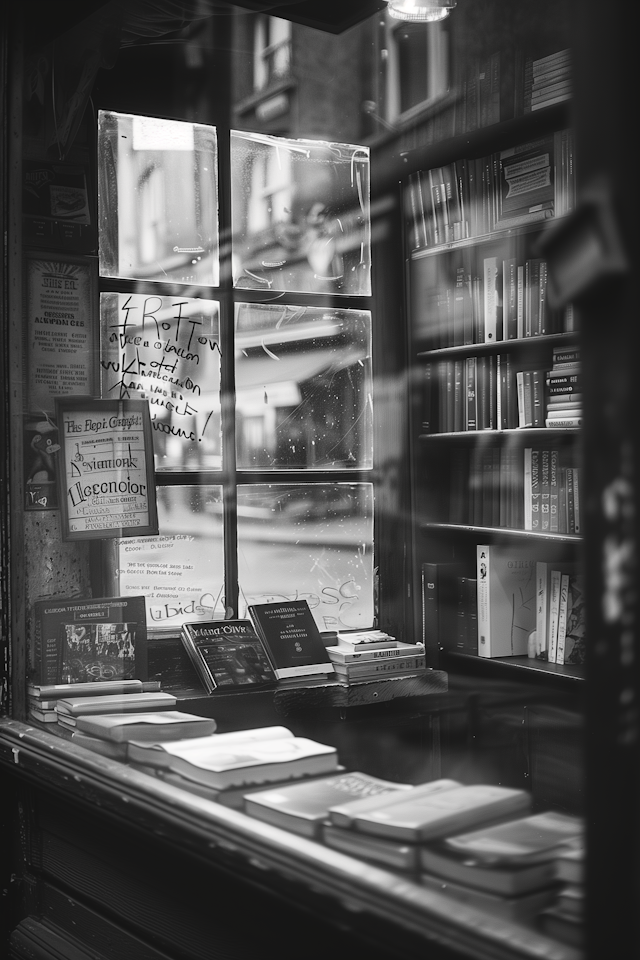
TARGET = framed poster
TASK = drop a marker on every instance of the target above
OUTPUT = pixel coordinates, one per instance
(62, 330)
(106, 485)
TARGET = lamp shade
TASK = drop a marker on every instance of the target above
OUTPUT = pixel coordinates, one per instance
(424, 11)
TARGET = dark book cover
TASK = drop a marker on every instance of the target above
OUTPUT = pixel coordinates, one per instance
(440, 607)
(227, 654)
(79, 641)
(291, 638)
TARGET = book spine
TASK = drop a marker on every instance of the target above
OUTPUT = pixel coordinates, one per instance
(542, 609)
(490, 276)
(471, 413)
(537, 386)
(554, 491)
(544, 491)
(528, 501)
(536, 516)
(562, 617)
(483, 572)
(554, 608)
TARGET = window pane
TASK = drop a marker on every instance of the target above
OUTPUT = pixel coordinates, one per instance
(301, 216)
(180, 573)
(167, 350)
(309, 541)
(303, 387)
(157, 199)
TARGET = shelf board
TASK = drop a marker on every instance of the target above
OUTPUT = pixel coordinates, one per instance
(477, 349)
(527, 433)
(484, 238)
(520, 668)
(463, 528)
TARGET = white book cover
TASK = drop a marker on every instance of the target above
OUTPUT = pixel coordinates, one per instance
(506, 576)
(490, 299)
(554, 608)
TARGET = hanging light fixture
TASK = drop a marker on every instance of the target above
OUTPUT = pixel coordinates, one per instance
(424, 11)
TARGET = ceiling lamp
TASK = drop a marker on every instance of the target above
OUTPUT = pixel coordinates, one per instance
(424, 11)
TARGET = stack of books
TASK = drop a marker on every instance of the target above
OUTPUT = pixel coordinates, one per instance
(508, 868)
(564, 917)
(70, 709)
(109, 733)
(550, 80)
(564, 389)
(360, 656)
(43, 699)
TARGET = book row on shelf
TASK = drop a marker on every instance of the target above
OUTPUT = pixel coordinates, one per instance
(515, 488)
(477, 196)
(501, 299)
(481, 844)
(487, 393)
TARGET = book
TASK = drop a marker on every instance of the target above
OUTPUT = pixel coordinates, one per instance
(506, 599)
(224, 763)
(340, 654)
(120, 703)
(346, 814)
(504, 879)
(361, 640)
(491, 300)
(388, 853)
(542, 609)
(518, 908)
(57, 691)
(419, 819)
(373, 669)
(439, 604)
(87, 640)
(169, 725)
(562, 617)
(42, 715)
(544, 490)
(291, 638)
(555, 578)
(233, 797)
(573, 649)
(570, 865)
(536, 837)
(106, 748)
(303, 807)
(227, 654)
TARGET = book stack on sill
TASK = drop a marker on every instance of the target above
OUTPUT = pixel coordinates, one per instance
(43, 699)
(564, 917)
(507, 865)
(361, 656)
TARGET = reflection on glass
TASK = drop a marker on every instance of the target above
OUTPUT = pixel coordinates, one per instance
(309, 541)
(157, 199)
(301, 215)
(179, 573)
(303, 387)
(166, 350)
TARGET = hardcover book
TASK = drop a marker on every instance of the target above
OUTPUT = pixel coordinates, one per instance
(291, 638)
(87, 640)
(57, 691)
(379, 850)
(506, 599)
(521, 908)
(303, 807)
(421, 819)
(370, 669)
(220, 764)
(538, 837)
(508, 880)
(341, 654)
(169, 725)
(227, 654)
(346, 814)
(120, 703)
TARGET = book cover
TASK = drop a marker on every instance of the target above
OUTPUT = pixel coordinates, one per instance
(574, 650)
(345, 814)
(439, 605)
(379, 850)
(120, 703)
(227, 654)
(430, 817)
(537, 837)
(303, 807)
(79, 640)
(228, 764)
(506, 599)
(167, 726)
(291, 638)
(364, 640)
(505, 880)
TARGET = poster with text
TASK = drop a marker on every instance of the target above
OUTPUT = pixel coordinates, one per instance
(105, 475)
(62, 331)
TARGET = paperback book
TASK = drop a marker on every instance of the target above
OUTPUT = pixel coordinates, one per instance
(227, 654)
(120, 703)
(291, 638)
(379, 850)
(506, 599)
(303, 807)
(166, 726)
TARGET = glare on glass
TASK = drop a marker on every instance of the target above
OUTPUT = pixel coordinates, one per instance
(180, 573)
(166, 350)
(157, 199)
(300, 214)
(303, 387)
(309, 541)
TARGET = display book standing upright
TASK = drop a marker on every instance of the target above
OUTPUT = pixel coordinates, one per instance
(497, 402)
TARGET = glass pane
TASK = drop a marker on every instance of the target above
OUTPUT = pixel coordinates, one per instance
(157, 199)
(301, 215)
(309, 541)
(166, 350)
(303, 387)
(180, 573)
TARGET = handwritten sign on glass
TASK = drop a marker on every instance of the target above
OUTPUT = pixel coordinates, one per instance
(107, 486)
(166, 350)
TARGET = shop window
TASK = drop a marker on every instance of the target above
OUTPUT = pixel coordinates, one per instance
(260, 398)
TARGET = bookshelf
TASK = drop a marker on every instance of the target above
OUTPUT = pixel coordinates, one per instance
(495, 371)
